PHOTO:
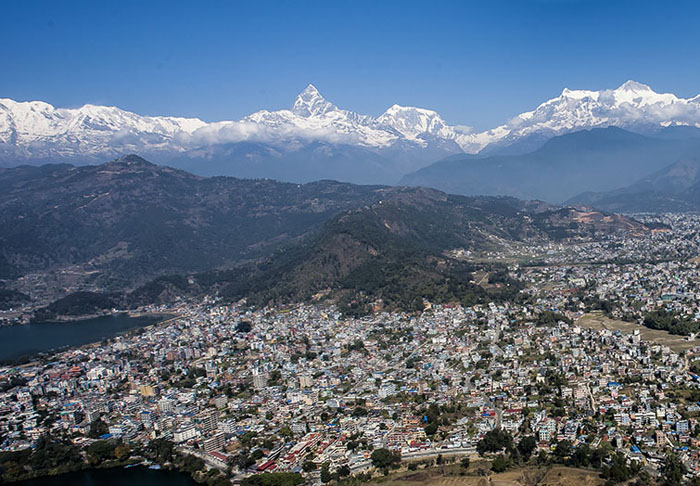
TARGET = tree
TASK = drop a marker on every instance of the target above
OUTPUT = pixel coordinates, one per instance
(384, 458)
(161, 449)
(644, 479)
(247, 438)
(100, 451)
(326, 476)
(343, 471)
(359, 412)
(526, 446)
(122, 452)
(431, 429)
(562, 451)
(465, 462)
(673, 471)
(549, 318)
(50, 455)
(244, 327)
(97, 429)
(499, 464)
(580, 456)
(285, 432)
(598, 456)
(273, 479)
(494, 441)
(308, 466)
(618, 471)
(244, 461)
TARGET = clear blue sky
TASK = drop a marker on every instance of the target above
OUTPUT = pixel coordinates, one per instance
(477, 63)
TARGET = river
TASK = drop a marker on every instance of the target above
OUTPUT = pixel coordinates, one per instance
(23, 340)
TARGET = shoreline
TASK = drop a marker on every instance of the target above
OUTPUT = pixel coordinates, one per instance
(86, 469)
(86, 317)
(30, 355)
(60, 319)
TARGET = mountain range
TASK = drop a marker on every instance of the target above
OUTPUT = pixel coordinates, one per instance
(675, 188)
(129, 233)
(137, 219)
(315, 139)
(595, 160)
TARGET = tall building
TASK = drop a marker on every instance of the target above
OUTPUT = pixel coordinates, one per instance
(660, 439)
(184, 433)
(305, 381)
(214, 443)
(259, 381)
(207, 421)
(165, 405)
(220, 401)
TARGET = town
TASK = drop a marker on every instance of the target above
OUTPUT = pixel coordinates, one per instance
(595, 364)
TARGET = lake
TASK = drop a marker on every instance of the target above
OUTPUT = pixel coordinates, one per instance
(135, 476)
(22, 340)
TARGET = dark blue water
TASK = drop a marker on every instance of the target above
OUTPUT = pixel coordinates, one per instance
(24, 340)
(135, 476)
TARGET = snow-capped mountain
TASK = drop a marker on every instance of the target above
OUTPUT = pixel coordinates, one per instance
(313, 118)
(632, 106)
(327, 140)
(311, 140)
(38, 130)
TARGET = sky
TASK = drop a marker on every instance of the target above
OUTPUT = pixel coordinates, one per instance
(476, 63)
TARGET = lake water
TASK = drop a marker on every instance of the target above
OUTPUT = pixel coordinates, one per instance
(23, 340)
(135, 476)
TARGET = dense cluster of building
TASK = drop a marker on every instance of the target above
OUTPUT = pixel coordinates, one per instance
(303, 388)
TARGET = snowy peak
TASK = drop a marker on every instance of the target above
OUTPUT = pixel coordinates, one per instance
(37, 129)
(310, 103)
(577, 94)
(639, 94)
(631, 92)
(633, 106)
(34, 130)
(628, 92)
(412, 122)
(633, 86)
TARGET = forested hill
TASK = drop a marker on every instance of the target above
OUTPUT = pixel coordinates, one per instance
(131, 233)
(395, 251)
(129, 220)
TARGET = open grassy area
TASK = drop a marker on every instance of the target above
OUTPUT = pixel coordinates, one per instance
(529, 476)
(597, 320)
